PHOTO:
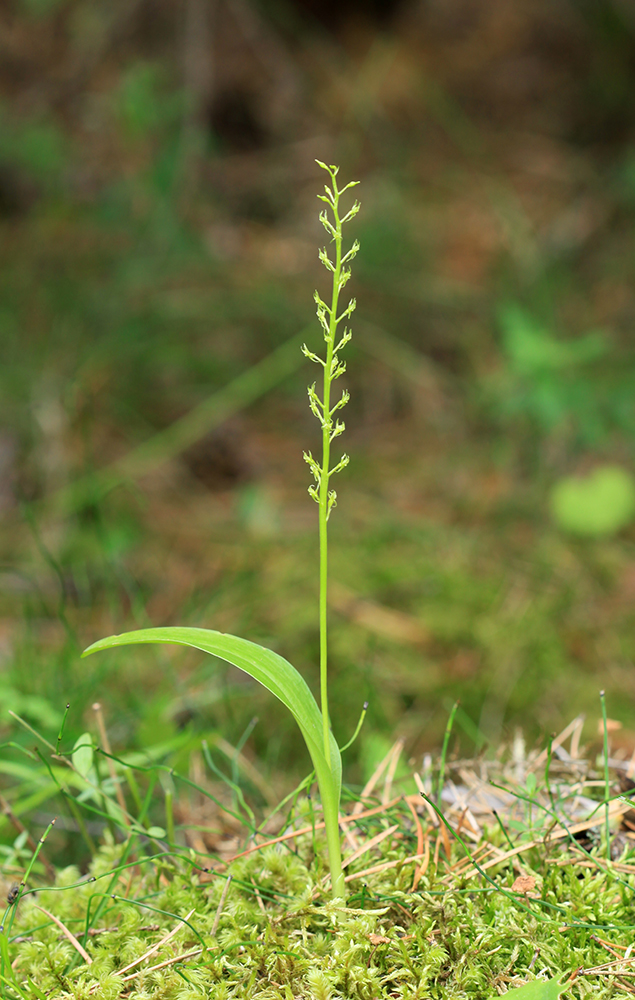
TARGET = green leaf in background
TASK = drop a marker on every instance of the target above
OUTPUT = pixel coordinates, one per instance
(599, 504)
(532, 349)
(539, 990)
(82, 755)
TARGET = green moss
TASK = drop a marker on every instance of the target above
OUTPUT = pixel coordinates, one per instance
(279, 937)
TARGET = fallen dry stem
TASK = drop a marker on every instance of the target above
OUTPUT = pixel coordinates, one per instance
(390, 773)
(385, 866)
(373, 842)
(418, 871)
(69, 934)
(574, 727)
(353, 818)
(376, 775)
(221, 905)
(159, 944)
(164, 965)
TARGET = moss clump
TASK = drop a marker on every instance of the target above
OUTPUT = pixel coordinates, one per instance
(279, 937)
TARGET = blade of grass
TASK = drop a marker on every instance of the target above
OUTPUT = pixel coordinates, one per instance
(357, 728)
(607, 785)
(249, 819)
(103, 734)
(169, 816)
(61, 732)
(547, 768)
(446, 740)
(502, 826)
(14, 905)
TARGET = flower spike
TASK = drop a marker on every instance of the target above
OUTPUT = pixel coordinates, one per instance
(324, 410)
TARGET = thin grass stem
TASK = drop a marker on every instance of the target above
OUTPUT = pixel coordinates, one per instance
(502, 826)
(14, 904)
(444, 751)
(547, 769)
(169, 815)
(61, 732)
(607, 784)
(357, 729)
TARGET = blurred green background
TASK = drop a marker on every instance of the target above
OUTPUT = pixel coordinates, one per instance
(159, 236)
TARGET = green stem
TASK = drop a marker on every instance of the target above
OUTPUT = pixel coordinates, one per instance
(446, 740)
(332, 825)
(330, 796)
(607, 783)
(14, 905)
(328, 764)
(324, 479)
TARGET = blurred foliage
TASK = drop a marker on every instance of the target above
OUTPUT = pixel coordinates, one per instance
(601, 504)
(159, 238)
(577, 387)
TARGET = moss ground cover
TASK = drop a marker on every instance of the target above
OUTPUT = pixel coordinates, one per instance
(529, 897)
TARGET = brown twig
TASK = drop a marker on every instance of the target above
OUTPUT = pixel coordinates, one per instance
(375, 776)
(220, 906)
(159, 944)
(384, 867)
(353, 818)
(164, 965)
(423, 867)
(418, 873)
(71, 937)
(373, 842)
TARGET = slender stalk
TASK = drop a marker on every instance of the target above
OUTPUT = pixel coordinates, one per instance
(169, 816)
(607, 783)
(547, 769)
(502, 826)
(13, 905)
(325, 410)
(444, 751)
(324, 479)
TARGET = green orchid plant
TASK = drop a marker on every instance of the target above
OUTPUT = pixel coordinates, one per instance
(271, 670)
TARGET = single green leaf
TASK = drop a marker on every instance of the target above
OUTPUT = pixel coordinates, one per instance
(271, 670)
(82, 755)
(540, 989)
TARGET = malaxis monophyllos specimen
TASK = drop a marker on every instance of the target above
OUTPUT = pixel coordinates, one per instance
(267, 667)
